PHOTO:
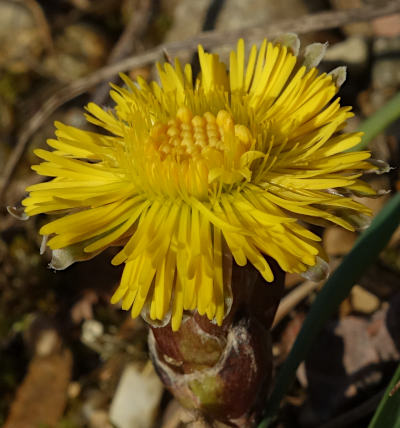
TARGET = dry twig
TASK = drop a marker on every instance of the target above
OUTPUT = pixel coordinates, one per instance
(290, 301)
(308, 23)
(395, 389)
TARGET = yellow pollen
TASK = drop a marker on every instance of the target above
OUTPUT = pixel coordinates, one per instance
(209, 117)
(183, 136)
(243, 133)
(184, 115)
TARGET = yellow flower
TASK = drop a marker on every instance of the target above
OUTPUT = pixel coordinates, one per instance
(188, 171)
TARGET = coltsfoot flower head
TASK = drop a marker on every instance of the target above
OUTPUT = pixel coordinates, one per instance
(192, 170)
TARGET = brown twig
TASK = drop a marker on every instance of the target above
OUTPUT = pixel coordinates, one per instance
(308, 23)
(395, 389)
(290, 301)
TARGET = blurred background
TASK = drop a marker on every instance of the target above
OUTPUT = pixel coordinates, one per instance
(68, 358)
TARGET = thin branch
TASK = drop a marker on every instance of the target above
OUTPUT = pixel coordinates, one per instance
(290, 301)
(308, 23)
(395, 389)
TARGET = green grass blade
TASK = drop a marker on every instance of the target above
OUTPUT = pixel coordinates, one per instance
(388, 412)
(379, 121)
(365, 251)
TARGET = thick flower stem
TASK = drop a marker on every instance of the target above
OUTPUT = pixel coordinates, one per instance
(223, 372)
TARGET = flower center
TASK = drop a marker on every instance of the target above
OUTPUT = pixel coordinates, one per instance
(199, 137)
(196, 155)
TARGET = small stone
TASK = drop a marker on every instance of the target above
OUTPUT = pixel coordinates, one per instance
(338, 241)
(74, 389)
(384, 330)
(238, 14)
(137, 399)
(99, 419)
(47, 343)
(387, 26)
(363, 301)
(42, 396)
(386, 66)
(355, 28)
(20, 37)
(95, 402)
(353, 50)
(386, 73)
(80, 49)
(92, 330)
(180, 29)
